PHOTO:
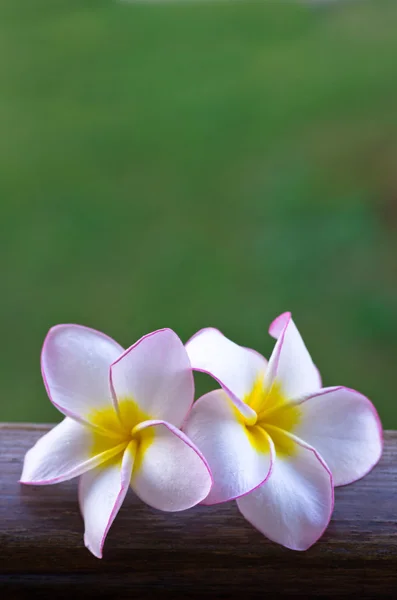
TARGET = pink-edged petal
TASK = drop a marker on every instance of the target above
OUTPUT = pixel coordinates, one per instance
(344, 427)
(240, 457)
(75, 364)
(277, 326)
(156, 374)
(290, 363)
(294, 506)
(63, 453)
(101, 494)
(235, 368)
(169, 473)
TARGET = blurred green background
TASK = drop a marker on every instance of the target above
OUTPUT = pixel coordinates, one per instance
(198, 164)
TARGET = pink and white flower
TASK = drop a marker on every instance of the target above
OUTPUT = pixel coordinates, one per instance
(123, 413)
(274, 439)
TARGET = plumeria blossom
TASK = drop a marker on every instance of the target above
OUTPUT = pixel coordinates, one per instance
(123, 413)
(275, 440)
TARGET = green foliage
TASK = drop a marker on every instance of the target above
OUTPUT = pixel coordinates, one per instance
(199, 164)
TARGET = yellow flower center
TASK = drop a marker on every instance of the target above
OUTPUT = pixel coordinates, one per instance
(274, 416)
(114, 432)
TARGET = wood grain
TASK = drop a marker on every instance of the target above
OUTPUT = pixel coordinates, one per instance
(206, 551)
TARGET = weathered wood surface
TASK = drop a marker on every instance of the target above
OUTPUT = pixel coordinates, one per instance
(202, 552)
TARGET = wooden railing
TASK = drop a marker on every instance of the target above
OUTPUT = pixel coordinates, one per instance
(203, 552)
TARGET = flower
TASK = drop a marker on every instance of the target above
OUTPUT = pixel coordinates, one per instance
(274, 439)
(123, 413)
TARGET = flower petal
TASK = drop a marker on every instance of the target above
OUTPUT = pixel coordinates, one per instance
(156, 373)
(63, 453)
(277, 326)
(234, 367)
(294, 506)
(170, 473)
(344, 427)
(101, 494)
(290, 363)
(240, 457)
(75, 364)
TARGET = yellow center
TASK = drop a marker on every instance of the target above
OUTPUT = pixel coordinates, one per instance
(275, 416)
(114, 432)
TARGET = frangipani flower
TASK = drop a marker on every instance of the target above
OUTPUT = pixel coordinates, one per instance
(275, 440)
(123, 410)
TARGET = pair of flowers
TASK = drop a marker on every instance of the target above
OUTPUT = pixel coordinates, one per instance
(270, 437)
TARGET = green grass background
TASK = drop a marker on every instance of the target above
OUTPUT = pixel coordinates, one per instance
(198, 164)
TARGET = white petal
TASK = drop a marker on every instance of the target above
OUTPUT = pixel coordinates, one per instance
(344, 427)
(169, 474)
(240, 457)
(277, 326)
(294, 506)
(290, 363)
(156, 374)
(75, 364)
(101, 494)
(63, 453)
(235, 368)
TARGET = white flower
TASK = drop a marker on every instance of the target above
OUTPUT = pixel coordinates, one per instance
(274, 439)
(123, 413)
